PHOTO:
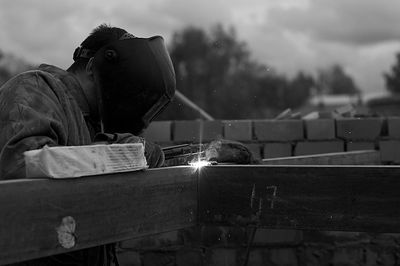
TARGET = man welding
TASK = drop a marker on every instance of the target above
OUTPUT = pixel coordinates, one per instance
(117, 83)
(116, 86)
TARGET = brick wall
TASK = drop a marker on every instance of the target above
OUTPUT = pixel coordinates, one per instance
(211, 245)
(227, 246)
(282, 138)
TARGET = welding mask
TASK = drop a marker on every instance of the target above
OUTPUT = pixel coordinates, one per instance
(135, 79)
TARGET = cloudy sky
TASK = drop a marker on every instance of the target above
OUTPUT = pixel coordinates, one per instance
(289, 35)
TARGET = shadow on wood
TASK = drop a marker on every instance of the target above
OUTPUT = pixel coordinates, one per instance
(346, 198)
(44, 217)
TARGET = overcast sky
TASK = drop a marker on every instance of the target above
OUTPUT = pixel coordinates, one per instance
(289, 35)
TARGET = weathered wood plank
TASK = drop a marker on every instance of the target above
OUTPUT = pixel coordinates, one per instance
(105, 209)
(368, 157)
(356, 198)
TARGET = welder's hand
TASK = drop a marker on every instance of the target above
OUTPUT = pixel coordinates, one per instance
(153, 153)
(227, 151)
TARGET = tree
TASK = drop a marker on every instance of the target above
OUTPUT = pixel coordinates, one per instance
(334, 80)
(215, 70)
(392, 79)
(299, 90)
(281, 93)
(11, 65)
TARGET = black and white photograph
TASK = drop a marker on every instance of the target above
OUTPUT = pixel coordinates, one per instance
(199, 132)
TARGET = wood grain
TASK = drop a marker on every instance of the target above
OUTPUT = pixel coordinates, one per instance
(346, 198)
(112, 208)
(105, 209)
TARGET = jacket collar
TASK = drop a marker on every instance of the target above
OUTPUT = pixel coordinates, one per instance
(72, 83)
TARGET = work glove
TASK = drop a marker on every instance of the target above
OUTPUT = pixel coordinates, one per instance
(228, 151)
(153, 152)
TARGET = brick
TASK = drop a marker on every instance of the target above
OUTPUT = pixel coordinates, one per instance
(370, 257)
(256, 258)
(359, 146)
(320, 129)
(158, 131)
(393, 124)
(139, 243)
(255, 149)
(238, 130)
(222, 256)
(279, 237)
(192, 236)
(359, 128)
(387, 258)
(348, 256)
(158, 259)
(284, 256)
(274, 256)
(236, 236)
(211, 236)
(172, 238)
(128, 258)
(312, 256)
(278, 130)
(317, 147)
(276, 150)
(340, 237)
(186, 257)
(390, 151)
(212, 130)
(188, 131)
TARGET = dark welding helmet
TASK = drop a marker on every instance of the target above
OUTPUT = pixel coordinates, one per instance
(136, 81)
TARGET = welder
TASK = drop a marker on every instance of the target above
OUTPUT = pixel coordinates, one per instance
(116, 86)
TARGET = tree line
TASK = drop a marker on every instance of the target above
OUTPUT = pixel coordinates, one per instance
(216, 70)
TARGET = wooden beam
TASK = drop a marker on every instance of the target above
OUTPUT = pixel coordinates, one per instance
(45, 217)
(367, 157)
(356, 198)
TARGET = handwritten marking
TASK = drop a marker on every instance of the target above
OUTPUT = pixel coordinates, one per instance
(275, 190)
(260, 203)
(253, 196)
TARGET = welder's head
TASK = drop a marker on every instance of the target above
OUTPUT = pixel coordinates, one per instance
(135, 80)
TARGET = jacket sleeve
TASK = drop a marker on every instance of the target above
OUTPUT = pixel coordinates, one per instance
(30, 117)
(154, 155)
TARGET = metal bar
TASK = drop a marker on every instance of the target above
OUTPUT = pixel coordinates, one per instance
(367, 157)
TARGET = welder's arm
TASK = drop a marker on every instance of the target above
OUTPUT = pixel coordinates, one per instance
(153, 153)
(228, 151)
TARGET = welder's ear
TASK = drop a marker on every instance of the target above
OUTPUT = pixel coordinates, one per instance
(89, 67)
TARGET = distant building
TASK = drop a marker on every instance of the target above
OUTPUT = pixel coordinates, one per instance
(328, 103)
(387, 104)
(381, 103)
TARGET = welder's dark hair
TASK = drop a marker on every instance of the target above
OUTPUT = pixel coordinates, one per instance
(99, 37)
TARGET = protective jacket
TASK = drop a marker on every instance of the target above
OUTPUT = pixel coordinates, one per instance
(47, 107)
(40, 107)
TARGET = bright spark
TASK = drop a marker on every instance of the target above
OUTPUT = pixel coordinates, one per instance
(199, 164)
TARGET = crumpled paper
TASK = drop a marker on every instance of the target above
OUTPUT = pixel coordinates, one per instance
(77, 161)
